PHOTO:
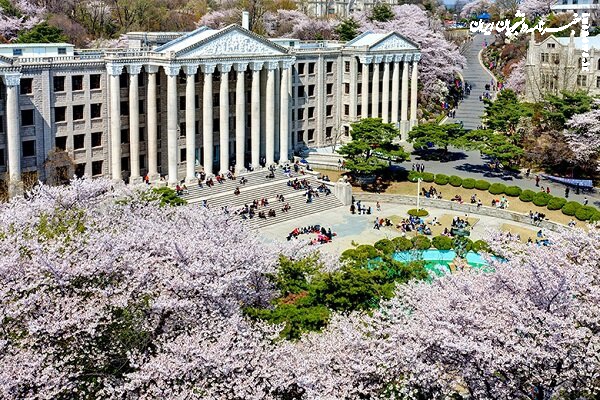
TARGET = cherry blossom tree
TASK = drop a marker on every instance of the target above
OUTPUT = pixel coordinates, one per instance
(536, 8)
(440, 58)
(475, 7)
(18, 15)
(516, 78)
(583, 136)
(219, 19)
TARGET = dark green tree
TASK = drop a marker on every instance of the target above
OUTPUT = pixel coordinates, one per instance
(382, 12)
(372, 140)
(504, 113)
(347, 29)
(495, 145)
(42, 33)
(440, 135)
(556, 110)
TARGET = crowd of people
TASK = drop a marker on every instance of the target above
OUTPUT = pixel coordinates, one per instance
(432, 193)
(323, 235)
(413, 224)
(359, 208)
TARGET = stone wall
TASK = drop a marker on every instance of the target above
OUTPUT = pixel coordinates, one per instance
(455, 206)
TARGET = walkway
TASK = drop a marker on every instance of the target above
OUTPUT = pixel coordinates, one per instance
(471, 109)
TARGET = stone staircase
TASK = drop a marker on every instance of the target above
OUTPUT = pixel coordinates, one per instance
(257, 187)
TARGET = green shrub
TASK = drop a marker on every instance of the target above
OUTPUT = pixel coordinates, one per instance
(414, 175)
(482, 185)
(468, 183)
(570, 208)
(556, 203)
(421, 242)
(421, 213)
(402, 243)
(541, 199)
(455, 181)
(513, 191)
(385, 246)
(442, 242)
(595, 217)
(584, 213)
(166, 196)
(497, 188)
(427, 176)
(441, 179)
(527, 195)
(468, 243)
(366, 251)
(480, 246)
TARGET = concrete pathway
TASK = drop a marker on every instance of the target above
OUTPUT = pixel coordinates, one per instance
(471, 109)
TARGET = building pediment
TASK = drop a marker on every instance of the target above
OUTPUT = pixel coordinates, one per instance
(394, 41)
(231, 41)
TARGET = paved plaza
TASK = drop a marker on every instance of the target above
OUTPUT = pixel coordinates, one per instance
(359, 228)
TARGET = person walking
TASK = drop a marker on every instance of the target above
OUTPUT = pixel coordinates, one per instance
(537, 180)
(547, 189)
(585, 201)
(567, 190)
(378, 206)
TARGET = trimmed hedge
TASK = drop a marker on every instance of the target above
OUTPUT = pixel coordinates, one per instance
(442, 242)
(468, 183)
(556, 203)
(421, 242)
(480, 245)
(527, 195)
(513, 191)
(366, 251)
(427, 176)
(584, 213)
(497, 188)
(421, 213)
(541, 199)
(455, 181)
(441, 179)
(402, 243)
(595, 217)
(570, 208)
(482, 185)
(469, 243)
(386, 246)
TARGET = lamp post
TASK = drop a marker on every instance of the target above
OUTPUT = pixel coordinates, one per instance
(418, 192)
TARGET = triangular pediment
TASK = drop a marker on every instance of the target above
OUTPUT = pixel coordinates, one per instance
(231, 41)
(394, 41)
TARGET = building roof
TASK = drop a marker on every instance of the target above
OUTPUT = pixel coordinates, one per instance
(593, 42)
(383, 41)
(34, 45)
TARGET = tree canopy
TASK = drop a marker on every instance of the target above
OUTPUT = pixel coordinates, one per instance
(497, 146)
(372, 143)
(42, 33)
(347, 29)
(440, 135)
(504, 113)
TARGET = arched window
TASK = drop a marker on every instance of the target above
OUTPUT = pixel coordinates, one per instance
(598, 63)
(579, 63)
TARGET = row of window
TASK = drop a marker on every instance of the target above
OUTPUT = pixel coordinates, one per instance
(310, 67)
(555, 58)
(311, 134)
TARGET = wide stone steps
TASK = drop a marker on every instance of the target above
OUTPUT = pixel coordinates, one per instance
(249, 194)
(299, 208)
(254, 178)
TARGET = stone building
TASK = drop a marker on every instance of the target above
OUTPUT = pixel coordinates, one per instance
(557, 63)
(145, 109)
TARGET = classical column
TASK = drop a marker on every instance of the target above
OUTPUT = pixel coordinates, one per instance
(114, 72)
(172, 72)
(413, 93)
(270, 113)
(240, 117)
(385, 92)
(255, 113)
(151, 123)
(365, 87)
(353, 83)
(375, 91)
(207, 117)
(395, 92)
(13, 139)
(284, 110)
(404, 103)
(134, 123)
(224, 117)
(190, 122)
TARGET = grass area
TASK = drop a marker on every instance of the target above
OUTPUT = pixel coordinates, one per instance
(448, 192)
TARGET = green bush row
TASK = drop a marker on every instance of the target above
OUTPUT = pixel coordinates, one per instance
(418, 242)
(540, 199)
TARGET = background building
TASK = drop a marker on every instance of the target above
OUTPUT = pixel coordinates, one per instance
(145, 109)
(555, 64)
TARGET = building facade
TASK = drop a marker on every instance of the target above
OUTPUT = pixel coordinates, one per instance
(557, 64)
(172, 104)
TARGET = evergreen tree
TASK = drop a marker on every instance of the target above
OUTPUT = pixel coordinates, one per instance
(42, 33)
(382, 12)
(347, 29)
